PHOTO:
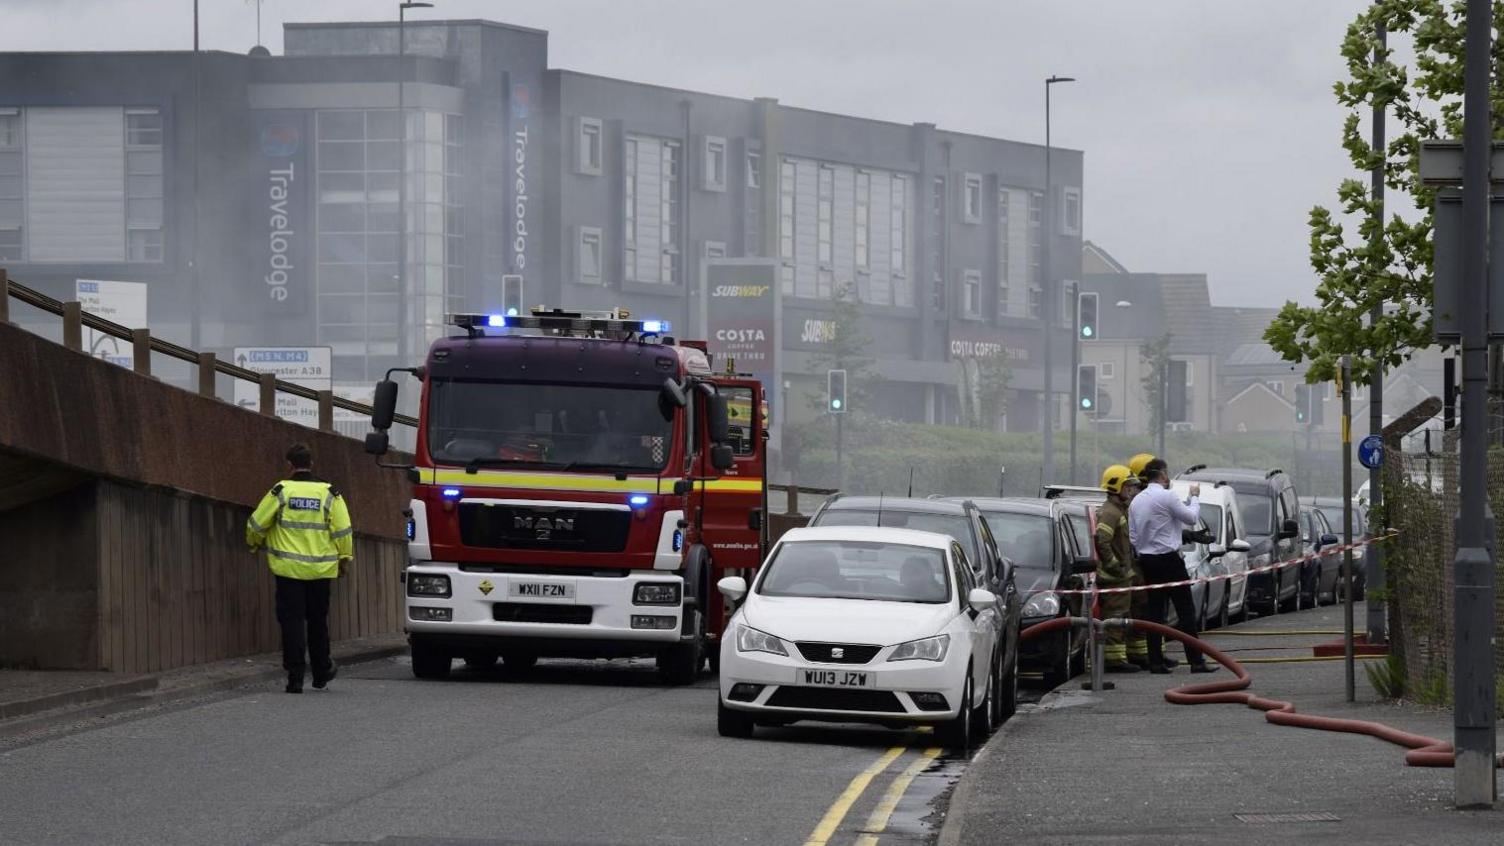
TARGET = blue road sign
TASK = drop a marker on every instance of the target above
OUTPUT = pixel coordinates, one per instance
(1371, 452)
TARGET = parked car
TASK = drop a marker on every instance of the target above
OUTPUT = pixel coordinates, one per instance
(1268, 512)
(962, 521)
(862, 624)
(1331, 506)
(1318, 575)
(1049, 542)
(1226, 555)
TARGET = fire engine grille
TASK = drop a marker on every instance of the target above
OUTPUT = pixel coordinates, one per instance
(850, 653)
(537, 612)
(560, 529)
(823, 699)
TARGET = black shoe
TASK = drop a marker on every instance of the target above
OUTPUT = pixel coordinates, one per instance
(294, 686)
(1204, 667)
(1122, 667)
(1141, 663)
(1172, 663)
(321, 681)
(1159, 669)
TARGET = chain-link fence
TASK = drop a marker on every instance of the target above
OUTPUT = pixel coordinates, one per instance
(1421, 500)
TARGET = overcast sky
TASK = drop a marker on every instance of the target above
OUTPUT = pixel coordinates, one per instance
(1209, 127)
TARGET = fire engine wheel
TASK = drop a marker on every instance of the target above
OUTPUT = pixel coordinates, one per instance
(680, 664)
(429, 661)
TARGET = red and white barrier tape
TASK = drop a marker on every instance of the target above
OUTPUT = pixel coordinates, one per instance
(1249, 572)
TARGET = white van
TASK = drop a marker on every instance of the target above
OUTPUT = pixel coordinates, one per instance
(1223, 600)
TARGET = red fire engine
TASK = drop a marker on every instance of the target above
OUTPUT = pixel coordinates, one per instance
(580, 482)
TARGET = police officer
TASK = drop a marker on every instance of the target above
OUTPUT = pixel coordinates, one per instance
(304, 526)
(1115, 562)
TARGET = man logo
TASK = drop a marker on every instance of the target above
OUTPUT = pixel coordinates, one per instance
(545, 527)
(837, 652)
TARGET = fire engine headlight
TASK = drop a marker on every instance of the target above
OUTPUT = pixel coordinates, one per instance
(1044, 604)
(928, 649)
(430, 615)
(656, 593)
(421, 584)
(749, 639)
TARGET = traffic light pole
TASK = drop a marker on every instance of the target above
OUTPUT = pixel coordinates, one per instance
(1076, 370)
(840, 441)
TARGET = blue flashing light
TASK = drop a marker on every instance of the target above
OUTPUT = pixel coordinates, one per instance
(512, 311)
(678, 540)
(451, 493)
(655, 327)
(496, 320)
(637, 500)
(412, 529)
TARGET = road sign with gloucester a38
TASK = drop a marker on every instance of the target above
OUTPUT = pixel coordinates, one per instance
(1371, 452)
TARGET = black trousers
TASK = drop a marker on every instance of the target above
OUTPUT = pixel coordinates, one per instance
(303, 613)
(1159, 569)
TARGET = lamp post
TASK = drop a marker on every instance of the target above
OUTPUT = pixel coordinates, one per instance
(1123, 374)
(1047, 283)
(402, 293)
(1074, 295)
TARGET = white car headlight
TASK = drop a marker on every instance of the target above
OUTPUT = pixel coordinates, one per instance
(749, 639)
(1042, 604)
(927, 649)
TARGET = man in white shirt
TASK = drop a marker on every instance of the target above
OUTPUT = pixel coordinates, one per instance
(1156, 519)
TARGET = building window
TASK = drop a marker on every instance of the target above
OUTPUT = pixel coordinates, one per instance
(899, 225)
(1070, 211)
(715, 163)
(1036, 302)
(589, 145)
(971, 288)
(863, 220)
(651, 217)
(788, 183)
(1276, 385)
(143, 185)
(754, 169)
(715, 249)
(11, 192)
(1106, 371)
(588, 255)
(937, 242)
(1036, 242)
(825, 231)
(971, 199)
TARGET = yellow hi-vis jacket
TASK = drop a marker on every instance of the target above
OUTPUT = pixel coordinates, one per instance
(305, 527)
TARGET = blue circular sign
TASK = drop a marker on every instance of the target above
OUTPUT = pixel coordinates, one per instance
(1371, 452)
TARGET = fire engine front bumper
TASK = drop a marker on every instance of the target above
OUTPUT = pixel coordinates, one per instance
(638, 611)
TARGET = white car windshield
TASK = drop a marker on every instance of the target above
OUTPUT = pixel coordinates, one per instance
(851, 569)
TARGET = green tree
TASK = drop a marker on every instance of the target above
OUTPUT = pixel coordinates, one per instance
(994, 375)
(849, 349)
(1360, 259)
(1156, 358)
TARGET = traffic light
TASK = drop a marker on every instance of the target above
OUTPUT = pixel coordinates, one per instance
(835, 391)
(511, 295)
(1303, 404)
(1175, 392)
(1086, 388)
(1086, 316)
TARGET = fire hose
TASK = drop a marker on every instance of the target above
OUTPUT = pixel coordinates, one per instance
(1424, 751)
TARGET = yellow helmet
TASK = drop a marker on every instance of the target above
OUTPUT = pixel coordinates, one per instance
(1114, 477)
(1137, 463)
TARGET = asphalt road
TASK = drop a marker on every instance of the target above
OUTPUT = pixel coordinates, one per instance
(568, 753)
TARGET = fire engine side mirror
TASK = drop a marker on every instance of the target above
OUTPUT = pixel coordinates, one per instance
(721, 457)
(377, 443)
(673, 393)
(718, 420)
(384, 405)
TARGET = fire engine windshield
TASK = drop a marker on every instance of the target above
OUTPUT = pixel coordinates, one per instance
(548, 426)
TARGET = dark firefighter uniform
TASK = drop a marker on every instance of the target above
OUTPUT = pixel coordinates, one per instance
(303, 524)
(1115, 563)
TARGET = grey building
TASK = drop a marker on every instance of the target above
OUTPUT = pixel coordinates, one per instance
(269, 214)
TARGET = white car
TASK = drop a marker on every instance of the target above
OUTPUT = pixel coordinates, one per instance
(1226, 555)
(862, 624)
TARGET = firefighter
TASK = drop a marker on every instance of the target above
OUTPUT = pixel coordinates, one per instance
(1115, 562)
(305, 527)
(1138, 642)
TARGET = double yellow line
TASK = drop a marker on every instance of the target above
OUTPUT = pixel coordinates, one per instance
(877, 821)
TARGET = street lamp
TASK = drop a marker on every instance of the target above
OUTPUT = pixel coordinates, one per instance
(402, 293)
(1050, 303)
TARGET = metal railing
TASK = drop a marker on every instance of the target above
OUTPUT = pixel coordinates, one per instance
(75, 319)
